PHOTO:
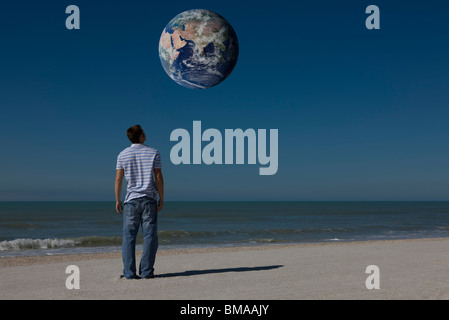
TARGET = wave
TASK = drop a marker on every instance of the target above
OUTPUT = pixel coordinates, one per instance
(168, 237)
(226, 237)
(30, 244)
(165, 237)
(41, 244)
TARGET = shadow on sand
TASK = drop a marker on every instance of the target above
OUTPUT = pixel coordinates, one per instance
(209, 271)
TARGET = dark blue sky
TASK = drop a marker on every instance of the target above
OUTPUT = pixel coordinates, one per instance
(362, 114)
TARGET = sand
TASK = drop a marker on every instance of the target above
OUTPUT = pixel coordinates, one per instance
(408, 269)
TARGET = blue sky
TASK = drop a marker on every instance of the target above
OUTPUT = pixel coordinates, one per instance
(362, 114)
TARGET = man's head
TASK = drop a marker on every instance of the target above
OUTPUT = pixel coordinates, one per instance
(136, 134)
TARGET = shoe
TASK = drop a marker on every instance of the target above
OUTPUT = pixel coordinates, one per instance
(133, 278)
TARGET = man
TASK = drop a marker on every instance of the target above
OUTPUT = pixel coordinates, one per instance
(141, 166)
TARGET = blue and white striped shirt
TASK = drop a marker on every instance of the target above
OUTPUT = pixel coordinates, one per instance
(138, 161)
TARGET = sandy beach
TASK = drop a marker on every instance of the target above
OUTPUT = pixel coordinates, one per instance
(408, 269)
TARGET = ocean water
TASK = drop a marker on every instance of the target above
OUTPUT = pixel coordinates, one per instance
(49, 228)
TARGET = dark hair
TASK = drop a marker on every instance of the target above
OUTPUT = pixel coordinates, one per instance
(134, 133)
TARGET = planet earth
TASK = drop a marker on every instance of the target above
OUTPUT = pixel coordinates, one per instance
(198, 49)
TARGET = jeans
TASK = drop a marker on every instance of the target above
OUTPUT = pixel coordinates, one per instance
(136, 212)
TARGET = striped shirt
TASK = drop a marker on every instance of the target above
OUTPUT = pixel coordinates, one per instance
(138, 161)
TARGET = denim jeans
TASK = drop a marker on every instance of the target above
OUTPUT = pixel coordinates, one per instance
(136, 212)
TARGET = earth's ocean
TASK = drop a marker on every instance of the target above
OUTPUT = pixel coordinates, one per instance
(48, 228)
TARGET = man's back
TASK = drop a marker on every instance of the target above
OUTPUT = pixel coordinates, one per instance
(138, 161)
(141, 165)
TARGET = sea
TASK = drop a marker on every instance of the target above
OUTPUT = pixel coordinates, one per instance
(52, 228)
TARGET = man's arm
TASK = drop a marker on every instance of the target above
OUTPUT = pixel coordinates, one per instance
(118, 190)
(160, 187)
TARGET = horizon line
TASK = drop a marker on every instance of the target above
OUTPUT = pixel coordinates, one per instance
(169, 201)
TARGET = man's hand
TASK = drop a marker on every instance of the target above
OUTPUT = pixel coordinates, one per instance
(118, 189)
(160, 205)
(160, 187)
(119, 207)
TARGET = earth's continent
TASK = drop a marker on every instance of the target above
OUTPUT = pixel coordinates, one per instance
(198, 49)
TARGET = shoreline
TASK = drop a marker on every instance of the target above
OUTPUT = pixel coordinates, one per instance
(11, 261)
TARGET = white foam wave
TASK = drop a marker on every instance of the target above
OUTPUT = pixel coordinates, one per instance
(27, 244)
